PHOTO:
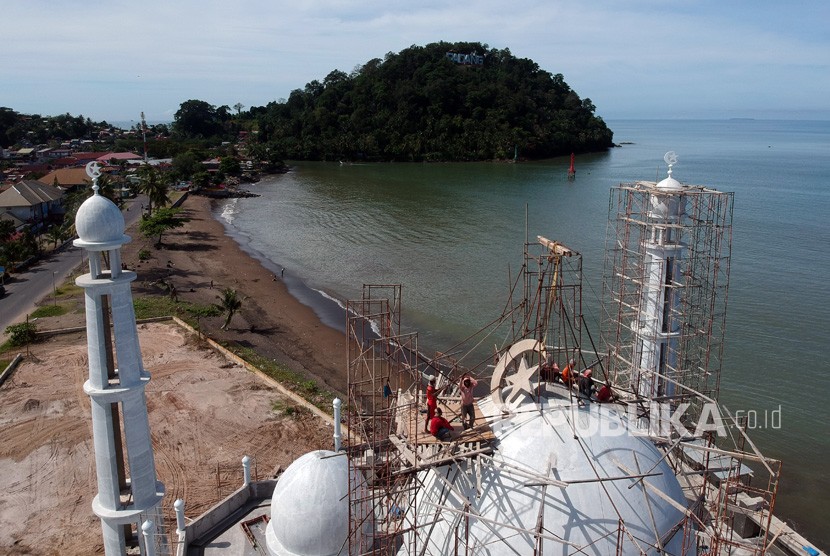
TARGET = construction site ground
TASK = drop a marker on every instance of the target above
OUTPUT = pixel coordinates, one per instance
(205, 412)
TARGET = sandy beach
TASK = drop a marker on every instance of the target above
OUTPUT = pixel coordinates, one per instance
(200, 259)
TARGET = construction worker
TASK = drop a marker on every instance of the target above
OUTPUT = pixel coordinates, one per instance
(550, 370)
(586, 387)
(440, 427)
(569, 373)
(432, 402)
(605, 393)
(466, 385)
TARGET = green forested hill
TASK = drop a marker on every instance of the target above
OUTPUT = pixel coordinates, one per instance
(420, 105)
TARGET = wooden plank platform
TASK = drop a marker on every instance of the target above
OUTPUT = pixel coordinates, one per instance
(415, 435)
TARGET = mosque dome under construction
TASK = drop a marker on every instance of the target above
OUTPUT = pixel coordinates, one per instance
(579, 478)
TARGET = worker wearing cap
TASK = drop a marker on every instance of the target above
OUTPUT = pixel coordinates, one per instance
(568, 373)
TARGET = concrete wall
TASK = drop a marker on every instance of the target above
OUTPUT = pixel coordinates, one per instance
(225, 514)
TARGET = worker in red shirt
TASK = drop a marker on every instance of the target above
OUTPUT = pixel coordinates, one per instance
(440, 427)
(569, 373)
(432, 402)
(605, 393)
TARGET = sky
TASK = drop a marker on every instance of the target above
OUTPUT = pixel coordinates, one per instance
(691, 59)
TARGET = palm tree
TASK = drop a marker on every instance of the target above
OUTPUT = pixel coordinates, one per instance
(55, 235)
(230, 303)
(106, 187)
(153, 185)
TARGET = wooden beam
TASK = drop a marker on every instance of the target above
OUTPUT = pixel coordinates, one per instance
(555, 247)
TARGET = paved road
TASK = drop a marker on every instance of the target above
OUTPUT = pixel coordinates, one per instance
(25, 289)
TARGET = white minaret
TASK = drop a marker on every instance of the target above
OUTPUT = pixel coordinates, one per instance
(100, 227)
(658, 324)
(665, 289)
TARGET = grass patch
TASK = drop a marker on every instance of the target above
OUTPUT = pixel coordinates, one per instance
(49, 311)
(175, 196)
(296, 382)
(69, 289)
(289, 410)
(150, 306)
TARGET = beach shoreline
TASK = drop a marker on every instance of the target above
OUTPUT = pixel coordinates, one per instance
(201, 258)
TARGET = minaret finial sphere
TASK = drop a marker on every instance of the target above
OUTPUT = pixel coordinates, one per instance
(671, 159)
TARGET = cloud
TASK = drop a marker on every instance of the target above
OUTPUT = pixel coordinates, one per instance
(639, 58)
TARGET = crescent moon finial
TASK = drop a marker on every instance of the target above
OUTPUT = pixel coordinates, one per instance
(93, 170)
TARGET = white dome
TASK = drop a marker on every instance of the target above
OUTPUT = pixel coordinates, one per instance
(670, 183)
(99, 223)
(310, 507)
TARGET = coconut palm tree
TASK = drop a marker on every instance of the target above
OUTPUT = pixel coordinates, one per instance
(153, 185)
(56, 234)
(230, 303)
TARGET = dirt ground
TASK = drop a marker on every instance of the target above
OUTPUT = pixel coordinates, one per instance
(205, 415)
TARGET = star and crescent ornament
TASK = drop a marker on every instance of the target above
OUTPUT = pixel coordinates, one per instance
(520, 381)
(93, 169)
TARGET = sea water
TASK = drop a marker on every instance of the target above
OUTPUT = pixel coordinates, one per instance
(452, 235)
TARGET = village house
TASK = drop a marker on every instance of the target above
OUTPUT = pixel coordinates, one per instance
(66, 178)
(31, 202)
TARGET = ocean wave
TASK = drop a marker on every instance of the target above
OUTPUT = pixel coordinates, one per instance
(229, 210)
(332, 298)
(372, 324)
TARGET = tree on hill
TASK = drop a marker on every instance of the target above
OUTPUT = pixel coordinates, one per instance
(230, 166)
(421, 105)
(197, 118)
(35, 129)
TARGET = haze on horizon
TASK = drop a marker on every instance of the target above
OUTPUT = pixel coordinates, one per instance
(633, 59)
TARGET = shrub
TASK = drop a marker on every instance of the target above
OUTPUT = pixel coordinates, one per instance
(289, 410)
(310, 387)
(21, 333)
(144, 255)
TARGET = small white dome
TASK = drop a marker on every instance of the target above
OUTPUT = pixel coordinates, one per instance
(310, 507)
(99, 222)
(669, 183)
